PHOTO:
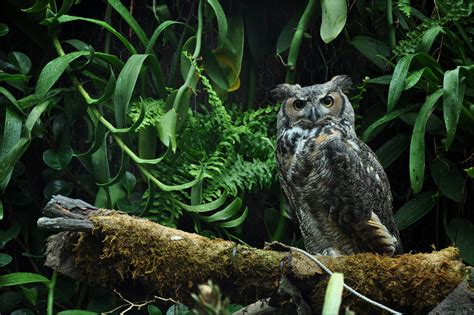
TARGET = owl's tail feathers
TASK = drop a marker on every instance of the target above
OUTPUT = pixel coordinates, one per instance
(376, 236)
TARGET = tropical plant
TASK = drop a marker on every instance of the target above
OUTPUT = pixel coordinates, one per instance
(433, 77)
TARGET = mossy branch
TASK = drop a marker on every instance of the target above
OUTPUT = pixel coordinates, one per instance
(136, 255)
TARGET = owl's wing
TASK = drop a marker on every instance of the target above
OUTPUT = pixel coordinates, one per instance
(360, 196)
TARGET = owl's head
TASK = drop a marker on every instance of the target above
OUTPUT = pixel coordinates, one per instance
(304, 106)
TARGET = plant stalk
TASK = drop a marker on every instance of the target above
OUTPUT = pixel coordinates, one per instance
(391, 27)
(191, 71)
(303, 25)
(52, 285)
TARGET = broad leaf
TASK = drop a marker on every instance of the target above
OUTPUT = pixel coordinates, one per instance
(392, 149)
(77, 312)
(429, 36)
(236, 222)
(53, 70)
(58, 159)
(417, 144)
(221, 20)
(227, 213)
(375, 50)
(453, 96)
(167, 129)
(398, 81)
(125, 42)
(123, 11)
(333, 20)
(461, 233)
(414, 209)
(369, 133)
(448, 178)
(286, 35)
(333, 296)
(5, 259)
(22, 278)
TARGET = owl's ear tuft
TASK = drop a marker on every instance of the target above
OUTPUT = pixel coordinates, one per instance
(283, 91)
(343, 82)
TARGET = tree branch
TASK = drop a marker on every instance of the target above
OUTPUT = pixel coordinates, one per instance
(136, 255)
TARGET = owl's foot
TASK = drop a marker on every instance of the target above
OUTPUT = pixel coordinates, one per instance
(331, 252)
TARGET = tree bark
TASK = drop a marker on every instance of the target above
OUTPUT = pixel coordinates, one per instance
(134, 255)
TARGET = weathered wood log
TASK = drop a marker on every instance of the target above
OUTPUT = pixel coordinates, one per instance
(131, 254)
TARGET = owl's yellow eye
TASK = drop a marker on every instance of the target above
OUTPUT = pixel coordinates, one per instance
(327, 101)
(299, 104)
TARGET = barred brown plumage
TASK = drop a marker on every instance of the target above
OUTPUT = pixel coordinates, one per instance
(333, 181)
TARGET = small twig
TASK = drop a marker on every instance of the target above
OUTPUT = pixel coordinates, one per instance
(165, 299)
(281, 60)
(329, 272)
(130, 304)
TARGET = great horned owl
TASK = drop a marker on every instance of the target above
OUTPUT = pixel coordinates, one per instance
(332, 180)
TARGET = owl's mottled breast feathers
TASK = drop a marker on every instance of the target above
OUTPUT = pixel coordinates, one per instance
(333, 181)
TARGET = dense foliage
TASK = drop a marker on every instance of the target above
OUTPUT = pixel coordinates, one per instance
(162, 118)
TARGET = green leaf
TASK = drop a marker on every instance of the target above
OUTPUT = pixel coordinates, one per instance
(470, 171)
(398, 81)
(453, 97)
(167, 129)
(125, 42)
(20, 61)
(65, 6)
(22, 278)
(333, 20)
(221, 20)
(9, 301)
(53, 70)
(213, 205)
(122, 10)
(369, 133)
(461, 233)
(234, 223)
(333, 296)
(58, 159)
(153, 310)
(230, 56)
(11, 136)
(434, 125)
(157, 33)
(417, 144)
(448, 178)
(3, 29)
(57, 187)
(8, 161)
(384, 79)
(414, 209)
(39, 5)
(392, 149)
(77, 312)
(126, 82)
(286, 35)
(413, 79)
(427, 39)
(226, 213)
(9, 234)
(179, 309)
(213, 69)
(31, 294)
(5, 259)
(129, 182)
(375, 50)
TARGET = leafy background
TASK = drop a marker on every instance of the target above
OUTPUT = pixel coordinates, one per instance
(162, 110)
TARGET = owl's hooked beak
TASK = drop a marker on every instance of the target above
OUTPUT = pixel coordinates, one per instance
(313, 115)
